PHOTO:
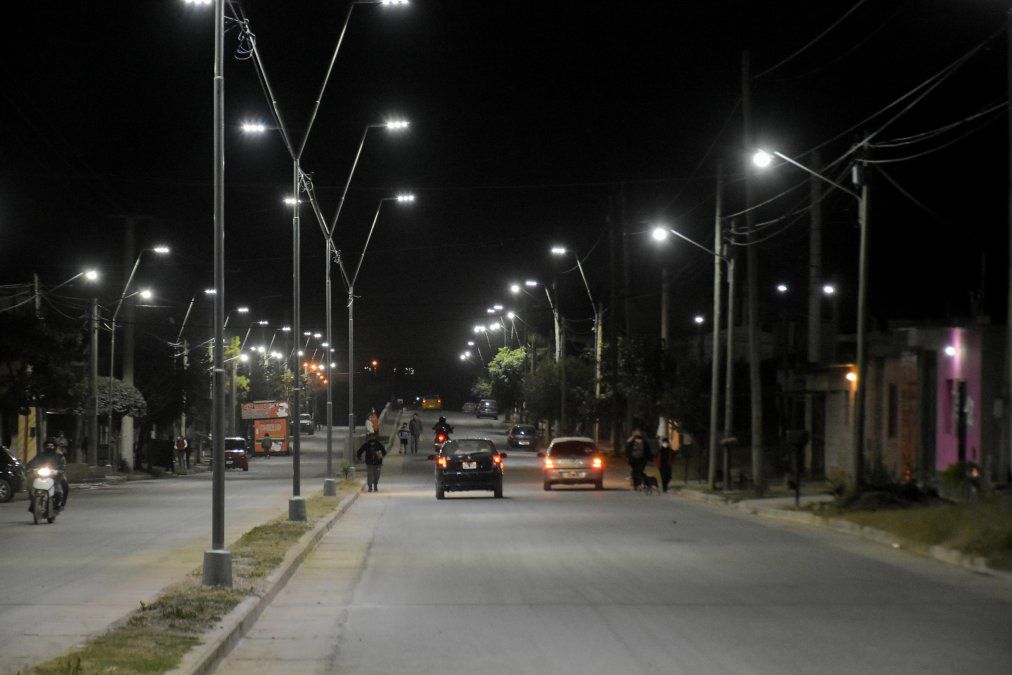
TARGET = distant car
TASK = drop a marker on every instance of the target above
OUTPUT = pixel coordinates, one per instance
(487, 408)
(236, 456)
(432, 402)
(571, 460)
(12, 475)
(468, 407)
(522, 437)
(306, 424)
(468, 464)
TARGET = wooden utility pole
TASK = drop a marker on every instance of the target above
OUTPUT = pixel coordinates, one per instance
(752, 261)
(665, 308)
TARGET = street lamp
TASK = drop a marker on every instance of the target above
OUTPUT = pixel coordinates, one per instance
(145, 294)
(401, 198)
(253, 127)
(782, 288)
(660, 233)
(763, 159)
(828, 289)
(561, 251)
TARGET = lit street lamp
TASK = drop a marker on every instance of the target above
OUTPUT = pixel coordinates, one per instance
(764, 159)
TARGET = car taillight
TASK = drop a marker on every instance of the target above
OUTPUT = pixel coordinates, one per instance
(497, 459)
(442, 462)
(549, 464)
(424, 401)
(439, 401)
(597, 463)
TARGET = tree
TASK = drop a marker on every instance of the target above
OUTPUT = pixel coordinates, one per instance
(506, 374)
(126, 400)
(542, 392)
(36, 363)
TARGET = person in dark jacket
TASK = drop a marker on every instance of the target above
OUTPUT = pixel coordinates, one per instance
(637, 452)
(415, 429)
(665, 461)
(53, 457)
(374, 452)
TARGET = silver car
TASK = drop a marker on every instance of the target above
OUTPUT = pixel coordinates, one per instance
(571, 460)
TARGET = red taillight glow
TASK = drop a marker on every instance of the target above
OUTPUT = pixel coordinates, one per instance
(597, 463)
(442, 462)
(549, 464)
(439, 401)
(497, 459)
(441, 438)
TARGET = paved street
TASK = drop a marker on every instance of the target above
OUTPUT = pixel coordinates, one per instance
(575, 580)
(118, 545)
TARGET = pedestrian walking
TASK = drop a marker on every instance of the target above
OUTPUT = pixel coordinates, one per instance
(637, 452)
(402, 436)
(374, 418)
(665, 461)
(265, 445)
(415, 429)
(181, 451)
(373, 452)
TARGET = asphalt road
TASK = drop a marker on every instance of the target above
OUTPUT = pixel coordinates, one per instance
(118, 545)
(575, 580)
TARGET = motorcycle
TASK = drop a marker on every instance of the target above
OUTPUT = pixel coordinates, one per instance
(43, 494)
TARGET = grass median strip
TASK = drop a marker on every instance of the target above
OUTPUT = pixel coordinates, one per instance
(154, 638)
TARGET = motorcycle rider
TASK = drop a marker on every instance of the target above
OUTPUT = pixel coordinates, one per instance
(52, 456)
(442, 426)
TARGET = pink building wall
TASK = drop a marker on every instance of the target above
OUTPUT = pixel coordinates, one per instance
(961, 362)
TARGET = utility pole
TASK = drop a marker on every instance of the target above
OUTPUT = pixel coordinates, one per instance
(126, 426)
(861, 388)
(562, 376)
(297, 504)
(1008, 320)
(665, 308)
(613, 320)
(329, 484)
(218, 560)
(729, 368)
(814, 297)
(718, 247)
(597, 374)
(625, 291)
(93, 384)
(754, 356)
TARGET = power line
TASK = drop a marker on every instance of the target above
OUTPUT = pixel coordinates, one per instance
(811, 42)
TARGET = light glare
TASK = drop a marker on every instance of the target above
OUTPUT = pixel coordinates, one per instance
(762, 159)
(659, 233)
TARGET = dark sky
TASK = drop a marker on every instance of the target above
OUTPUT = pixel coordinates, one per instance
(527, 119)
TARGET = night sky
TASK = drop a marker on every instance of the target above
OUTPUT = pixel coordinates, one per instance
(527, 120)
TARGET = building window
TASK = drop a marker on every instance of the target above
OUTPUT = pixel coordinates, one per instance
(892, 423)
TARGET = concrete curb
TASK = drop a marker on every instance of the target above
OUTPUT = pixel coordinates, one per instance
(217, 644)
(946, 555)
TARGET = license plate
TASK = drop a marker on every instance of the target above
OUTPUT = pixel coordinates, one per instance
(573, 474)
(469, 465)
(523, 442)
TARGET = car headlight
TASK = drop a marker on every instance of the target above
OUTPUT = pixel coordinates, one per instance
(45, 472)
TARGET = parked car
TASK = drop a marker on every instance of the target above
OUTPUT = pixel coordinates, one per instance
(236, 456)
(306, 424)
(487, 408)
(12, 475)
(522, 437)
(571, 460)
(469, 464)
(432, 402)
(468, 407)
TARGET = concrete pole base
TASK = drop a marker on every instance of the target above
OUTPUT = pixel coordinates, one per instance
(217, 568)
(329, 487)
(297, 509)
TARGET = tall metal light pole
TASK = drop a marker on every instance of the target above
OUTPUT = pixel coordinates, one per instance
(560, 251)
(217, 569)
(763, 159)
(403, 199)
(661, 233)
(145, 293)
